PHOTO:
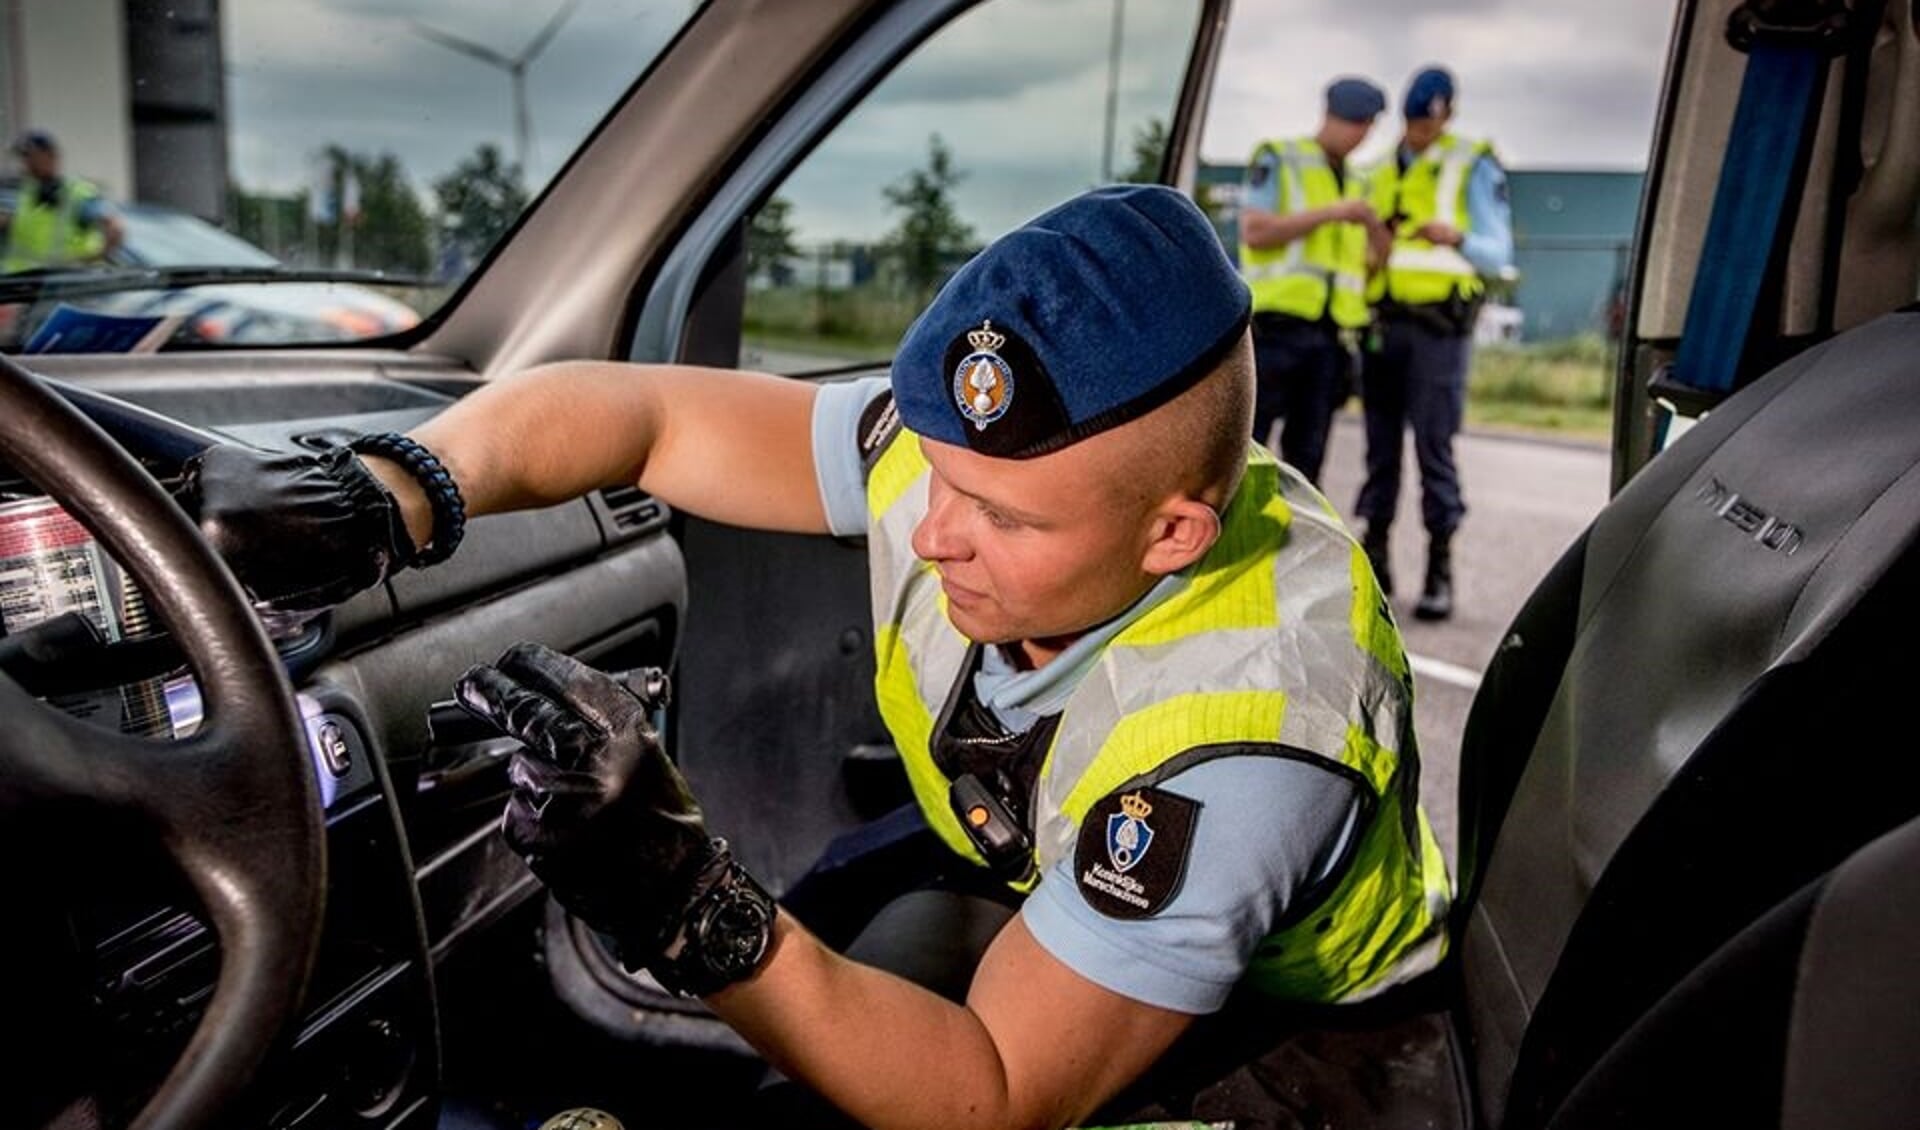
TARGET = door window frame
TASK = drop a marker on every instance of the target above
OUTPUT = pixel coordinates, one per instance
(691, 307)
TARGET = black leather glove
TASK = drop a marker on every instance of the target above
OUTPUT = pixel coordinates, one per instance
(598, 811)
(301, 531)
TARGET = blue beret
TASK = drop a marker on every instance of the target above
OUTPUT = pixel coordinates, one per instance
(1088, 316)
(1430, 94)
(35, 139)
(1355, 100)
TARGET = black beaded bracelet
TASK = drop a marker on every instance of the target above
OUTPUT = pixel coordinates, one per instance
(443, 494)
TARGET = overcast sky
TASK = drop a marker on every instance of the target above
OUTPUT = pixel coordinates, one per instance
(1017, 88)
(1554, 83)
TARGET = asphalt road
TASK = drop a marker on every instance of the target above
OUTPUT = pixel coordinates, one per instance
(1527, 500)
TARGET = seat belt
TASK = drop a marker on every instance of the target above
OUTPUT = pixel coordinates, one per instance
(1787, 43)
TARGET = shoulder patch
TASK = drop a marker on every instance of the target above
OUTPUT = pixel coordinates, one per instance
(879, 423)
(1258, 174)
(1132, 853)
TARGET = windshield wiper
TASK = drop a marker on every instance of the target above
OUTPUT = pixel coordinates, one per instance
(23, 286)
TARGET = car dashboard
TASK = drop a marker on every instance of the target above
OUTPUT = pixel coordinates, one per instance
(416, 865)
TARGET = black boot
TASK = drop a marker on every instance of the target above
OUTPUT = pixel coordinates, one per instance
(1374, 543)
(1436, 601)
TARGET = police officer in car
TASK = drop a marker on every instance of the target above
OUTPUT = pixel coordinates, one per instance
(1305, 222)
(1445, 199)
(1078, 559)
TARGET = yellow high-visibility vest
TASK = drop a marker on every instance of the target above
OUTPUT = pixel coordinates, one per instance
(1323, 273)
(1285, 597)
(49, 235)
(1432, 187)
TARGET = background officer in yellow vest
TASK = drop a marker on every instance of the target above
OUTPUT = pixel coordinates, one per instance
(57, 220)
(1445, 199)
(1305, 222)
(1078, 559)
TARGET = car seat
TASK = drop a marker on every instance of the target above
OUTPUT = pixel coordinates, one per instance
(1688, 836)
(1695, 720)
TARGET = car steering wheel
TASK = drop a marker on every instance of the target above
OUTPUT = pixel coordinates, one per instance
(236, 806)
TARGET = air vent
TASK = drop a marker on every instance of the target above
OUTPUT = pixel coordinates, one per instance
(633, 510)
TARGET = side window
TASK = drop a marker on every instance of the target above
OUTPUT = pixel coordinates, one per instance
(1005, 112)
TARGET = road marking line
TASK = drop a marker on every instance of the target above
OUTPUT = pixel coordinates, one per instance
(1441, 671)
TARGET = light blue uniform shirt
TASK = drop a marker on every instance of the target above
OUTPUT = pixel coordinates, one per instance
(1488, 245)
(1268, 827)
(1261, 186)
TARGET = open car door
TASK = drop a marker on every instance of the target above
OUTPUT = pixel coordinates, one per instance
(809, 259)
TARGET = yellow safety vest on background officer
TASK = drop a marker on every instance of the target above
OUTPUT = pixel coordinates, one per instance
(1323, 274)
(1262, 601)
(1433, 186)
(45, 234)
(1305, 227)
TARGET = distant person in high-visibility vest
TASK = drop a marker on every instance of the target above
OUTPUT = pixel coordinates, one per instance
(1305, 224)
(57, 220)
(1445, 201)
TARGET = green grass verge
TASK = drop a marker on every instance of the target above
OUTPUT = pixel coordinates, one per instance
(1563, 387)
(1573, 423)
(862, 321)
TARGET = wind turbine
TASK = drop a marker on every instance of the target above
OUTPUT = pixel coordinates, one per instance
(516, 67)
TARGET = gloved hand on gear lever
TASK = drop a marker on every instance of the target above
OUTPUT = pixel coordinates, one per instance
(305, 531)
(598, 810)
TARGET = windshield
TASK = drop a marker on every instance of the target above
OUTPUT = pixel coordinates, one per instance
(349, 162)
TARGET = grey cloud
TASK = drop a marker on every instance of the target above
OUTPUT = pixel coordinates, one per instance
(428, 105)
(352, 72)
(992, 57)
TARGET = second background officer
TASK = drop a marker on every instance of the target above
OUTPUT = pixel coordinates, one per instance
(1446, 200)
(1304, 228)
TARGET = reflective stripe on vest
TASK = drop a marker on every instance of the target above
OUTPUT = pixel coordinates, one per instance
(1329, 263)
(1433, 186)
(42, 236)
(1280, 639)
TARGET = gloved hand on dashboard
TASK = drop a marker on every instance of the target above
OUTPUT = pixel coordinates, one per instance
(304, 531)
(598, 810)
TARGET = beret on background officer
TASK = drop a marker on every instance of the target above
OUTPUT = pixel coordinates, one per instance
(1076, 558)
(1445, 198)
(1355, 100)
(1307, 223)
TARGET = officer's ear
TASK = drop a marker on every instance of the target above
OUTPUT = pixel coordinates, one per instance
(1183, 530)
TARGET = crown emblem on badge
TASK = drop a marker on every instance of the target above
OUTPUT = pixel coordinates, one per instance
(1136, 806)
(983, 382)
(985, 339)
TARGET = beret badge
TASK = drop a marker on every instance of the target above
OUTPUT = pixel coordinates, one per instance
(983, 381)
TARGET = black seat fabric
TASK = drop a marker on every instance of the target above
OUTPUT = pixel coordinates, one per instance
(1807, 1019)
(1854, 1043)
(1724, 724)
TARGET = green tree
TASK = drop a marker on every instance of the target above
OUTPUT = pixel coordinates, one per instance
(930, 234)
(392, 231)
(1149, 152)
(770, 244)
(277, 224)
(371, 216)
(479, 200)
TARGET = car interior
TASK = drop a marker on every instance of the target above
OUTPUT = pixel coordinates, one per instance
(257, 880)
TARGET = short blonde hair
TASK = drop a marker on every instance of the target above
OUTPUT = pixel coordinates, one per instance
(1196, 443)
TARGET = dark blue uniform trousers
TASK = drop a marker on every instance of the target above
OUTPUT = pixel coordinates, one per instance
(1299, 368)
(1417, 376)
